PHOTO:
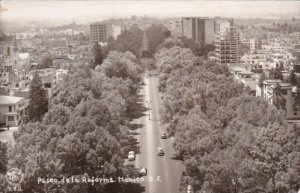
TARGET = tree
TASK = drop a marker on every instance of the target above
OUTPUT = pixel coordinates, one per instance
(278, 100)
(276, 74)
(123, 65)
(156, 35)
(38, 104)
(46, 62)
(262, 78)
(129, 40)
(97, 54)
(293, 80)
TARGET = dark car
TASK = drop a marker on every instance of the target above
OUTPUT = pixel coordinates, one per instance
(164, 135)
(160, 151)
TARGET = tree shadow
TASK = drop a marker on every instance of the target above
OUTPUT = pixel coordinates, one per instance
(128, 187)
(133, 145)
(133, 188)
(135, 126)
(2, 129)
(177, 157)
(138, 109)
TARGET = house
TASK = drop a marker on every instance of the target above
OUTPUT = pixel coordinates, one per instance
(287, 91)
(247, 78)
(12, 110)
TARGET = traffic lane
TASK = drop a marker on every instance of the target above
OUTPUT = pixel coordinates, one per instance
(155, 162)
(147, 146)
(165, 185)
(173, 168)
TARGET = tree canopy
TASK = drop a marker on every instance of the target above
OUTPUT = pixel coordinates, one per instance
(129, 40)
(229, 141)
(38, 104)
(84, 132)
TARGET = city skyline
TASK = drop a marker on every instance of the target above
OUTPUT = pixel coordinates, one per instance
(12, 11)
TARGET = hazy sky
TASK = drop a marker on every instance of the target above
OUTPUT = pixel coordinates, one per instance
(38, 10)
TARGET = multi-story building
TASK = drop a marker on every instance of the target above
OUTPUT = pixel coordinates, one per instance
(100, 32)
(175, 28)
(117, 30)
(255, 44)
(201, 30)
(287, 91)
(12, 110)
(254, 59)
(226, 42)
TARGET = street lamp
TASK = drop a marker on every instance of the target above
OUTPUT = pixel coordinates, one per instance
(149, 102)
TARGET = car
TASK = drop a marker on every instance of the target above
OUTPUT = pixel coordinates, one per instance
(189, 189)
(160, 151)
(155, 73)
(164, 135)
(142, 171)
(131, 155)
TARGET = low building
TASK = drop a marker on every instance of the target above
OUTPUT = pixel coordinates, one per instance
(287, 91)
(12, 110)
(247, 78)
(254, 59)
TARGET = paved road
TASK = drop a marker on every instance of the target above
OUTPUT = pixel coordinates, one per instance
(163, 172)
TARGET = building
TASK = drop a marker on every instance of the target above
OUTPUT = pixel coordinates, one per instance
(12, 110)
(175, 28)
(226, 42)
(247, 78)
(287, 91)
(201, 30)
(100, 32)
(255, 44)
(117, 30)
(257, 60)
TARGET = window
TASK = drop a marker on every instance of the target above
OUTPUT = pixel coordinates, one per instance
(9, 108)
(47, 85)
(10, 118)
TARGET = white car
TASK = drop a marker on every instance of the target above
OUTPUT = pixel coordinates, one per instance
(189, 189)
(131, 155)
(143, 171)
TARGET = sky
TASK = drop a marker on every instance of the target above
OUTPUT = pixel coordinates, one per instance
(39, 10)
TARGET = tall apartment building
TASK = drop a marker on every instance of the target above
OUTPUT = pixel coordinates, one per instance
(226, 42)
(199, 29)
(175, 27)
(100, 32)
(255, 44)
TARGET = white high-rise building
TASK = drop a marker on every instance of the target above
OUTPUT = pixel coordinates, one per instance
(226, 42)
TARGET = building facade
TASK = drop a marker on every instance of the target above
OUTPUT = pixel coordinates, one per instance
(287, 91)
(12, 110)
(175, 28)
(226, 42)
(100, 32)
(201, 30)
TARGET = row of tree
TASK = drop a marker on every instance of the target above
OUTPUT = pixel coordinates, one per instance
(129, 40)
(230, 141)
(84, 132)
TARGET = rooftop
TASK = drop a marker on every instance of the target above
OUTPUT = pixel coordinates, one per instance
(7, 100)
